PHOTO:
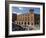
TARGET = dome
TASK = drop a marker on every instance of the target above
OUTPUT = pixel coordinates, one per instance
(31, 10)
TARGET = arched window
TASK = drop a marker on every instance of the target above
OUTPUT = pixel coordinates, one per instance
(28, 18)
(31, 23)
(31, 18)
(19, 22)
(25, 23)
(28, 23)
(22, 22)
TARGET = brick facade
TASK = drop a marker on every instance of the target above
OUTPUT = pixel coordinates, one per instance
(25, 19)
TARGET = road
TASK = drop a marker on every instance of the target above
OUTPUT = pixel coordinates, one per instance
(16, 27)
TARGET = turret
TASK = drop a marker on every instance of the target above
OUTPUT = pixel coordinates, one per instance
(31, 10)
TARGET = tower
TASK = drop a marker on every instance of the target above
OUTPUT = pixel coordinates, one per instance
(31, 11)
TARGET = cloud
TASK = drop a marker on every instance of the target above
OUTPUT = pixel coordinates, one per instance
(17, 13)
(20, 8)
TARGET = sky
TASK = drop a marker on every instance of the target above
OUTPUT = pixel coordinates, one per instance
(22, 10)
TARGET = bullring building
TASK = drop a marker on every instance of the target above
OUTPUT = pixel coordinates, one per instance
(26, 19)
